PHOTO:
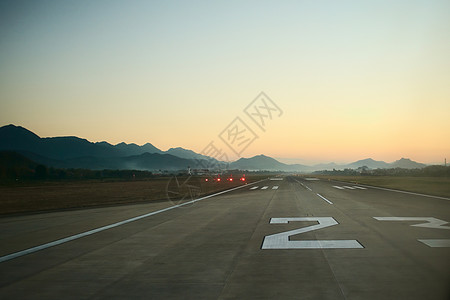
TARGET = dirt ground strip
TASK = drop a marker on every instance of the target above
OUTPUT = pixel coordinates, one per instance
(66, 195)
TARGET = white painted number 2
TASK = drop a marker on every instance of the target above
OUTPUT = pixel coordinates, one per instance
(281, 240)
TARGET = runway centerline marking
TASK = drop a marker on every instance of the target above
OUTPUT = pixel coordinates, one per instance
(324, 198)
(93, 231)
(306, 186)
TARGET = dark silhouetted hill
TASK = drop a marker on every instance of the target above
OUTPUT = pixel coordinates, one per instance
(17, 138)
(262, 162)
(133, 149)
(189, 154)
(406, 163)
(74, 152)
(368, 162)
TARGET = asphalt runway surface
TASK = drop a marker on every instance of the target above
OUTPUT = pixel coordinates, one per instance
(293, 238)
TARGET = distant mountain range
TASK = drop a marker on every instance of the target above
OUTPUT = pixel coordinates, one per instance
(262, 162)
(75, 152)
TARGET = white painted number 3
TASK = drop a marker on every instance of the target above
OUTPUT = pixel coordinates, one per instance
(281, 240)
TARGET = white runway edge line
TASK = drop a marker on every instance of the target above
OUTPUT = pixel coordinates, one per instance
(324, 198)
(93, 231)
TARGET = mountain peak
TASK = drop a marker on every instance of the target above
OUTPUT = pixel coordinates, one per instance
(404, 159)
(406, 163)
(258, 162)
(12, 130)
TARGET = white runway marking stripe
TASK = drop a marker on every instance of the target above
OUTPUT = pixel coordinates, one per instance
(436, 243)
(359, 187)
(276, 178)
(265, 187)
(306, 186)
(349, 187)
(324, 198)
(93, 231)
(254, 188)
(275, 187)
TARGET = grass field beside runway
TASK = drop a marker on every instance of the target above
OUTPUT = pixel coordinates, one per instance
(56, 195)
(438, 186)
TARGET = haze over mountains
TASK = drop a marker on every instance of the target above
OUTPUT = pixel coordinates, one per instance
(74, 152)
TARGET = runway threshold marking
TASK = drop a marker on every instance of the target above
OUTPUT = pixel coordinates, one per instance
(265, 187)
(359, 187)
(275, 187)
(324, 198)
(93, 231)
(349, 187)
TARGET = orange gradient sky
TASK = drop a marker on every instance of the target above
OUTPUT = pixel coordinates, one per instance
(354, 79)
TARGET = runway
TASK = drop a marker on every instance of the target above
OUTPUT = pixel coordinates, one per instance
(294, 238)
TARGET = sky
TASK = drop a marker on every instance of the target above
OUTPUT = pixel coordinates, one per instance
(350, 79)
